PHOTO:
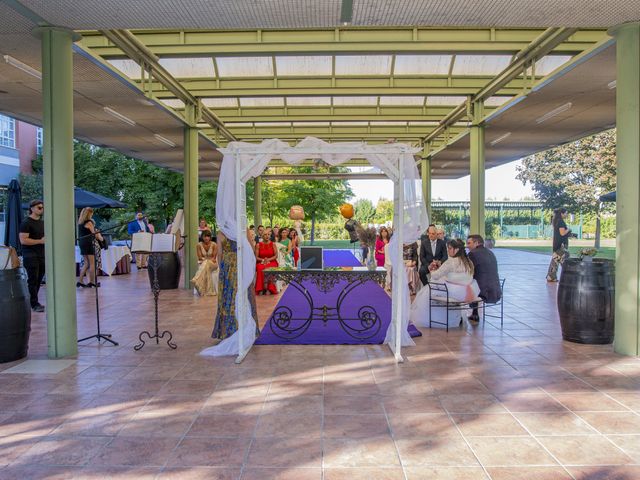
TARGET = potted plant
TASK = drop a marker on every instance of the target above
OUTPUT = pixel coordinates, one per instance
(587, 254)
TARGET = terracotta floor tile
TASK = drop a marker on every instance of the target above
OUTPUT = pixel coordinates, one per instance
(554, 423)
(347, 405)
(281, 474)
(228, 405)
(589, 402)
(135, 451)
(282, 425)
(223, 426)
(209, 452)
(406, 425)
(363, 473)
(531, 402)
(36, 472)
(115, 473)
(471, 403)
(26, 423)
(199, 473)
(157, 424)
(629, 444)
(54, 450)
(487, 425)
(509, 451)
(435, 451)
(613, 422)
(285, 452)
(360, 452)
(412, 403)
(528, 473)
(14, 446)
(605, 473)
(301, 405)
(355, 426)
(585, 450)
(445, 473)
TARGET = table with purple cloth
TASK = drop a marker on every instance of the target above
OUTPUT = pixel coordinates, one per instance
(322, 298)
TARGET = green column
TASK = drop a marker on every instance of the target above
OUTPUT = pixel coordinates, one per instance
(476, 158)
(57, 150)
(190, 194)
(257, 201)
(425, 166)
(627, 325)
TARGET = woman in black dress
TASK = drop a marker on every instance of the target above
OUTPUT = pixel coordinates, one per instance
(86, 227)
(561, 235)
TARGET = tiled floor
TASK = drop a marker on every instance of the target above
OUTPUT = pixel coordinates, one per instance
(477, 403)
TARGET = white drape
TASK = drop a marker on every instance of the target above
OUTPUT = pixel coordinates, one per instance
(395, 160)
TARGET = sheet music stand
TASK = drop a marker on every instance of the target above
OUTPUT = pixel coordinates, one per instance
(155, 259)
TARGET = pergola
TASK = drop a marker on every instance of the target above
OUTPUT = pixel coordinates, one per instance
(473, 85)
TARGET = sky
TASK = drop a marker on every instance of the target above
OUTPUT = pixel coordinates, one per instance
(501, 183)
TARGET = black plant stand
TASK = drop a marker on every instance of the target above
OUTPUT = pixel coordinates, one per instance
(153, 263)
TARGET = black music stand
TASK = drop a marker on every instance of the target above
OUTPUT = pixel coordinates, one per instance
(99, 335)
(154, 261)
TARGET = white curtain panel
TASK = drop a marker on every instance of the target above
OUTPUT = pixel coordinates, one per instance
(254, 158)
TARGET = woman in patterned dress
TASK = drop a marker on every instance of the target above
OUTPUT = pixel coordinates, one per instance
(226, 323)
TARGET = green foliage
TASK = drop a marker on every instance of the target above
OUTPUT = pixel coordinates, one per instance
(384, 211)
(573, 175)
(364, 211)
(30, 186)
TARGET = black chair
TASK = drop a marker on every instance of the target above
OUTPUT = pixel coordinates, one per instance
(499, 303)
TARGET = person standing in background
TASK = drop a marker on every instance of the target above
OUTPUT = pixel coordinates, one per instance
(139, 224)
(561, 235)
(32, 240)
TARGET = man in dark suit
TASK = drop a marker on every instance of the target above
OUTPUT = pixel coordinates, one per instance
(485, 272)
(432, 253)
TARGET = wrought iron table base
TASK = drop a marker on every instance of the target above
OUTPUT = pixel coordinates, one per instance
(365, 325)
(153, 263)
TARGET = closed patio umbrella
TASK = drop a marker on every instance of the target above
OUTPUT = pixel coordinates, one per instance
(13, 216)
(83, 198)
(608, 197)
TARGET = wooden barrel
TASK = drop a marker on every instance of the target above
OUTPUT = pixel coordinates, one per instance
(586, 301)
(168, 271)
(15, 315)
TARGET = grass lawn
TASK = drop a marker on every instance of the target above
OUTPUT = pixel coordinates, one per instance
(603, 252)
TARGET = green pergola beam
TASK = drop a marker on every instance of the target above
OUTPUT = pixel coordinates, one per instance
(340, 41)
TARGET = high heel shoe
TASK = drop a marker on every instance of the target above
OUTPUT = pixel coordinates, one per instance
(80, 284)
(92, 285)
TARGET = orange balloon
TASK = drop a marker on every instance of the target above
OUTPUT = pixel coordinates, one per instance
(346, 210)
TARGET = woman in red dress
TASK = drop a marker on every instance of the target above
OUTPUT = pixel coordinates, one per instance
(266, 255)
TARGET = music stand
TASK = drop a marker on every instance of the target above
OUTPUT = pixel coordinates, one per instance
(99, 335)
(154, 262)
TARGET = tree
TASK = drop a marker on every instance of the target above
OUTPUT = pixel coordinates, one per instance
(384, 211)
(319, 198)
(364, 210)
(574, 175)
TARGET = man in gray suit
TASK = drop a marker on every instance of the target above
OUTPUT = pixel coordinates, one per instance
(485, 272)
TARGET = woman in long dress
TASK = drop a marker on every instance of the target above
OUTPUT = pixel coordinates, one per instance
(266, 257)
(226, 323)
(457, 274)
(205, 281)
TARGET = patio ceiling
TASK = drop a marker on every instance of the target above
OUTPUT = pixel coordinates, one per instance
(290, 70)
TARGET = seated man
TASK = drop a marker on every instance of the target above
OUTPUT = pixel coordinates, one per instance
(432, 253)
(485, 272)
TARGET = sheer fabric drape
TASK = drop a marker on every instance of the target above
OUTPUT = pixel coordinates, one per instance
(254, 158)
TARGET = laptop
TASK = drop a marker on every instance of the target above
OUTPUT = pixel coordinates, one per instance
(311, 258)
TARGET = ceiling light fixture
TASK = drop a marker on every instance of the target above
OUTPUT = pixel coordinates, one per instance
(554, 112)
(466, 155)
(119, 116)
(164, 140)
(612, 85)
(22, 66)
(499, 139)
(446, 164)
(346, 12)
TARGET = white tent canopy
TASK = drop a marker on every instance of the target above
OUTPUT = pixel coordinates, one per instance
(243, 161)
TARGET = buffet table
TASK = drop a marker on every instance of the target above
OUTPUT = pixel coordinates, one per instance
(116, 260)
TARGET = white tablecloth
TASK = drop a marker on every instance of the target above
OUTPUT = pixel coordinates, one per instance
(109, 257)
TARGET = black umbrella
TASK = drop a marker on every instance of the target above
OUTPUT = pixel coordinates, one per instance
(13, 216)
(84, 198)
(608, 197)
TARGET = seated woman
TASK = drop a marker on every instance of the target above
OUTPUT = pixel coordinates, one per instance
(410, 257)
(457, 274)
(205, 281)
(266, 257)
